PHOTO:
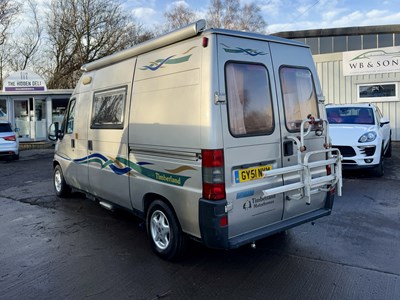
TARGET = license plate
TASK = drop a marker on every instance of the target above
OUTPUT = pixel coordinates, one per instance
(248, 174)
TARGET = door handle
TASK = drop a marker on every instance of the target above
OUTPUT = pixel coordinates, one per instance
(72, 143)
(288, 148)
(90, 145)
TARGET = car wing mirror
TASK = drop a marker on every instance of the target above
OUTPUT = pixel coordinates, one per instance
(54, 132)
(384, 121)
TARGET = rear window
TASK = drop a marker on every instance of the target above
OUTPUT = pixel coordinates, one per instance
(5, 127)
(299, 96)
(249, 99)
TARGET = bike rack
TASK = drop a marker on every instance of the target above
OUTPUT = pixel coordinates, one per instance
(307, 185)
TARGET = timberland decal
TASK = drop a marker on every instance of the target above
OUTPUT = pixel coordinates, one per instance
(122, 166)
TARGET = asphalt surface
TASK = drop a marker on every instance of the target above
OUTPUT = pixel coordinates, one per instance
(52, 248)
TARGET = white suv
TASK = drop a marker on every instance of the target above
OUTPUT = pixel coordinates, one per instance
(362, 135)
(9, 144)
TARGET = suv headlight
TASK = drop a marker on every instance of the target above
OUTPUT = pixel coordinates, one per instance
(367, 137)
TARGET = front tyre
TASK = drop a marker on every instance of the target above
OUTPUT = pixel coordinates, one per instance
(166, 237)
(60, 186)
(378, 170)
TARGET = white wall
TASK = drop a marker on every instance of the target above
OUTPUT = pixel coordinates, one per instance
(339, 89)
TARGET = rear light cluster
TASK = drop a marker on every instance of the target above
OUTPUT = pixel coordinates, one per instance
(10, 138)
(213, 174)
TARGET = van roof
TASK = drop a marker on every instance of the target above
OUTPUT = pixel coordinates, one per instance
(181, 34)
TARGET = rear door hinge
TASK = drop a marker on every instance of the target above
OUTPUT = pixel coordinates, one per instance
(219, 98)
(228, 207)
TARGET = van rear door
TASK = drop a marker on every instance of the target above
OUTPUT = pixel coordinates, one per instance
(251, 133)
(297, 94)
(269, 90)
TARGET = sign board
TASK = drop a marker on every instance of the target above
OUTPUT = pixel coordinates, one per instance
(24, 81)
(371, 61)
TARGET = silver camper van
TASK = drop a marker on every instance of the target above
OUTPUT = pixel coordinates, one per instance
(211, 134)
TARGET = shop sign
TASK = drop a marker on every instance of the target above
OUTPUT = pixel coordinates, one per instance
(371, 61)
(24, 81)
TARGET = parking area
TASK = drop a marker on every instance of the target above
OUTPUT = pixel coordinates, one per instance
(72, 248)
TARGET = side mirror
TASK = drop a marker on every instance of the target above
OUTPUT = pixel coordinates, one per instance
(384, 121)
(54, 132)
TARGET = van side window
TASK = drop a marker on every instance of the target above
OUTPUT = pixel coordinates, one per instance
(249, 99)
(108, 109)
(299, 97)
(70, 117)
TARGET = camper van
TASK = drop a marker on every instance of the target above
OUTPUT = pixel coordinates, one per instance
(215, 135)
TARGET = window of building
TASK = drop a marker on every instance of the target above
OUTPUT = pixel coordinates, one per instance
(377, 92)
(249, 99)
(108, 109)
(302, 40)
(59, 106)
(313, 43)
(339, 43)
(299, 96)
(3, 110)
(385, 40)
(354, 42)
(397, 39)
(369, 41)
(325, 44)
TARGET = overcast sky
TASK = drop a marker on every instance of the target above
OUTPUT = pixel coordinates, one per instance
(287, 15)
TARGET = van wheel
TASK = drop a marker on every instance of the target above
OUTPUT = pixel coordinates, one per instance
(166, 236)
(60, 186)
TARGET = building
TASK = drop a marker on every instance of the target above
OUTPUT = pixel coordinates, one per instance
(358, 64)
(26, 102)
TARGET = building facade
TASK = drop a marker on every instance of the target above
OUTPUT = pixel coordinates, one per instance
(358, 64)
(26, 103)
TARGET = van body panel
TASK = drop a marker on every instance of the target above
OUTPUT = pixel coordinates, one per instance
(165, 79)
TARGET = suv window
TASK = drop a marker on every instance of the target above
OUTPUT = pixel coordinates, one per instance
(249, 99)
(299, 96)
(5, 127)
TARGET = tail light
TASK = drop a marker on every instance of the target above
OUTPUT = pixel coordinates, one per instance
(328, 170)
(10, 138)
(213, 174)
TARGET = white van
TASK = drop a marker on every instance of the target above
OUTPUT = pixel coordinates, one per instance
(215, 135)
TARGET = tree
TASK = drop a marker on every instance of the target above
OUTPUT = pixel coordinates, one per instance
(81, 31)
(8, 11)
(229, 14)
(25, 47)
(178, 16)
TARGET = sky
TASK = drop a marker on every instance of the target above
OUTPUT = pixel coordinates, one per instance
(287, 15)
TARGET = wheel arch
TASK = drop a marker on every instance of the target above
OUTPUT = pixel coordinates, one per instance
(150, 197)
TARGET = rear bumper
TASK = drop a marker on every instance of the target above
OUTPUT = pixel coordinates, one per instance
(215, 236)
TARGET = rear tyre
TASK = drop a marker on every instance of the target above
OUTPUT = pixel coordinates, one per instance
(15, 157)
(60, 186)
(166, 237)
